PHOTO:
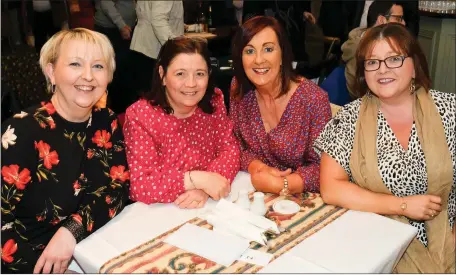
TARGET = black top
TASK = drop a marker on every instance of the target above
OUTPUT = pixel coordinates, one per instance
(289, 14)
(58, 173)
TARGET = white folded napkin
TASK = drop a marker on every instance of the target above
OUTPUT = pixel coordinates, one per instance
(229, 209)
(237, 227)
(232, 219)
(209, 244)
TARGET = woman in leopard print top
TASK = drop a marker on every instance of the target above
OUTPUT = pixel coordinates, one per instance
(403, 164)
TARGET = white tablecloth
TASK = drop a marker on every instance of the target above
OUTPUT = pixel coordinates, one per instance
(355, 242)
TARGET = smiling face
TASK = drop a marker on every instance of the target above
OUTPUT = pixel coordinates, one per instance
(186, 82)
(262, 58)
(385, 82)
(80, 75)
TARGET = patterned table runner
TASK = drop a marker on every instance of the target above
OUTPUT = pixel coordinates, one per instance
(155, 256)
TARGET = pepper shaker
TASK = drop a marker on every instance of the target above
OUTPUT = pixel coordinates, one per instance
(258, 207)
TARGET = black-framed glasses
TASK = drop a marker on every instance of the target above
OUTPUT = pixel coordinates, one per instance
(391, 62)
(399, 18)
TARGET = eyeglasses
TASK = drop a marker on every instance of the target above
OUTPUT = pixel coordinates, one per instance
(391, 62)
(399, 18)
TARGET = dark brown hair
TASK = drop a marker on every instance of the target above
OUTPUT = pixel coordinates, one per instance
(172, 48)
(245, 33)
(402, 42)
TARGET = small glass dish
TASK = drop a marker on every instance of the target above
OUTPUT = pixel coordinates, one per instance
(286, 207)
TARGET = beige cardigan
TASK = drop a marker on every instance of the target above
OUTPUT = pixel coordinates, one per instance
(158, 21)
(348, 56)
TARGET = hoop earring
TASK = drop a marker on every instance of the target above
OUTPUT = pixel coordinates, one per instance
(412, 86)
(53, 89)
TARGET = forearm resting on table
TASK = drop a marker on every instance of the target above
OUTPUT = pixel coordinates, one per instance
(196, 180)
(189, 183)
(295, 185)
(266, 182)
(351, 196)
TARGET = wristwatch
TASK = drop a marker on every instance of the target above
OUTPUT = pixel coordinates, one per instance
(403, 206)
(285, 191)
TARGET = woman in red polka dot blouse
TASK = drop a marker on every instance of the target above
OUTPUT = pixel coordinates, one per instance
(179, 140)
(276, 114)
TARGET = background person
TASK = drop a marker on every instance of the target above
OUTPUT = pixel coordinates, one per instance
(380, 12)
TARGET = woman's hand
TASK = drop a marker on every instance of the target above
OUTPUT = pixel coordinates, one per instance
(309, 17)
(269, 179)
(266, 182)
(215, 185)
(274, 171)
(422, 207)
(125, 32)
(57, 253)
(192, 199)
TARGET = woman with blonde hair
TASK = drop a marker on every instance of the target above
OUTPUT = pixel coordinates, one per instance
(64, 169)
(392, 152)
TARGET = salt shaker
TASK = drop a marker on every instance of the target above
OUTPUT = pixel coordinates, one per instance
(258, 207)
(243, 199)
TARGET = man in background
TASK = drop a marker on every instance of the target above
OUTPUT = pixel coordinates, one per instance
(380, 12)
(357, 14)
(116, 19)
(43, 18)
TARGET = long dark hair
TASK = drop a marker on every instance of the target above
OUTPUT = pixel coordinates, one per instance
(246, 32)
(173, 47)
(401, 41)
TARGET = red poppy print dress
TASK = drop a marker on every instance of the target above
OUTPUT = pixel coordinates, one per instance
(289, 144)
(161, 148)
(57, 173)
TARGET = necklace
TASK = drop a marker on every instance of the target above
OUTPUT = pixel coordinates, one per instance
(90, 121)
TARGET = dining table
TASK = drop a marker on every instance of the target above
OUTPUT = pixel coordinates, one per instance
(320, 238)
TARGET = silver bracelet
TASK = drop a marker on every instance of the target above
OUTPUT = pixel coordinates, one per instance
(191, 180)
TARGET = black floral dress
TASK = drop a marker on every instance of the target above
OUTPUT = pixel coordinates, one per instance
(58, 173)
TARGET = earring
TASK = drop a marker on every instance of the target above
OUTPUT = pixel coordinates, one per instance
(107, 92)
(53, 89)
(412, 86)
(368, 93)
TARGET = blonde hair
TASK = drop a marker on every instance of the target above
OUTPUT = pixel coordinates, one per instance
(51, 50)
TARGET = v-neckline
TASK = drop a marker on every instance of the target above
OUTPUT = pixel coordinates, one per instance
(258, 112)
(396, 140)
